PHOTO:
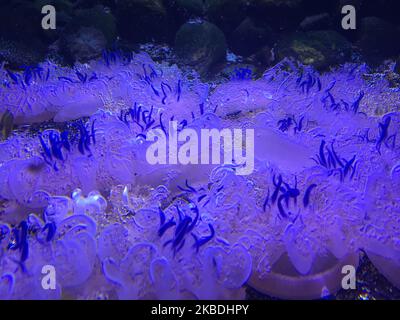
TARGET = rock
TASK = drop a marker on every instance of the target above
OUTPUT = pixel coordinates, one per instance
(185, 10)
(86, 44)
(279, 3)
(86, 33)
(16, 54)
(315, 22)
(397, 67)
(226, 14)
(247, 38)
(263, 58)
(377, 38)
(99, 18)
(191, 7)
(318, 48)
(200, 45)
(279, 14)
(144, 20)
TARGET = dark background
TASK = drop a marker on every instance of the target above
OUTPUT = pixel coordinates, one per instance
(258, 32)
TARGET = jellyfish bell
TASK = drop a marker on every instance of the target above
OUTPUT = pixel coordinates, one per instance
(284, 281)
(381, 237)
(276, 148)
(325, 181)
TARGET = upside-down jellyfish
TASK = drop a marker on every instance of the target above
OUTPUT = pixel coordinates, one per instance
(79, 194)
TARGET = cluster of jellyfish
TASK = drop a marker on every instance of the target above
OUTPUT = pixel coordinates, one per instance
(79, 195)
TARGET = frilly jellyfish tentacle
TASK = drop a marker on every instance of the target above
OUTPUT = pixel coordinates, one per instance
(72, 262)
(325, 180)
(111, 271)
(7, 281)
(300, 250)
(163, 279)
(113, 243)
(76, 223)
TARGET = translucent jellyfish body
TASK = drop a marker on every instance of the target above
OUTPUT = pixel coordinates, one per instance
(325, 182)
